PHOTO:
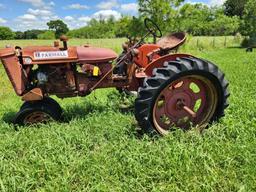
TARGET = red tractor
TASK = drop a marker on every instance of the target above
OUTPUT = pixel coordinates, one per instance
(174, 90)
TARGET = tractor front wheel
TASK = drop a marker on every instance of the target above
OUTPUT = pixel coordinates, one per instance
(38, 112)
(184, 93)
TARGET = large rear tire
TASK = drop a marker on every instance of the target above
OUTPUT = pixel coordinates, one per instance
(183, 93)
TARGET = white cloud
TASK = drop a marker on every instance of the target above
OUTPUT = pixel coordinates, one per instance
(217, 2)
(77, 6)
(129, 7)
(39, 12)
(36, 3)
(107, 5)
(2, 21)
(68, 18)
(27, 17)
(84, 19)
(37, 17)
(106, 14)
(30, 25)
(48, 18)
(39, 3)
(78, 22)
(34, 19)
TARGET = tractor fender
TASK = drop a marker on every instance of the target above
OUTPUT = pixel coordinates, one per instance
(14, 70)
(160, 62)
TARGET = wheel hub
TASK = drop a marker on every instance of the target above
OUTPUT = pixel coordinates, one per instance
(37, 117)
(189, 100)
(175, 103)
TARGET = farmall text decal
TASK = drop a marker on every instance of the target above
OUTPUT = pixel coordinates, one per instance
(51, 55)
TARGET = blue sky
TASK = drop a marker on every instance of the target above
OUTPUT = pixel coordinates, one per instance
(34, 14)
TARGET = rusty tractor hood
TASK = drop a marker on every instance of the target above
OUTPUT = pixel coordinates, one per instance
(53, 55)
(95, 55)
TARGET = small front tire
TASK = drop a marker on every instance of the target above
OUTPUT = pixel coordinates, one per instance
(38, 112)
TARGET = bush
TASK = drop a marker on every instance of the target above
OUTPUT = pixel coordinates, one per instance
(238, 38)
(6, 33)
(19, 35)
(46, 35)
(32, 34)
(249, 42)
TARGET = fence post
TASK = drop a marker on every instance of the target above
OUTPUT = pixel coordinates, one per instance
(225, 42)
(213, 42)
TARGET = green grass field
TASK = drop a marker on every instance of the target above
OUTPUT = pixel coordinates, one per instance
(97, 148)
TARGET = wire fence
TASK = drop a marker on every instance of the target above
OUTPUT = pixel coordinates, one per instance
(212, 42)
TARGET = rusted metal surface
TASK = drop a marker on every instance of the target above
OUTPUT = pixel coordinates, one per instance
(33, 95)
(14, 70)
(64, 39)
(56, 44)
(184, 102)
(161, 60)
(142, 60)
(37, 117)
(7, 52)
(95, 55)
(30, 52)
(172, 41)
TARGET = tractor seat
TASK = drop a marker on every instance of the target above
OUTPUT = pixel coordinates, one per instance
(89, 54)
(172, 41)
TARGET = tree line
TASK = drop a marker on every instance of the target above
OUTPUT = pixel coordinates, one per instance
(235, 16)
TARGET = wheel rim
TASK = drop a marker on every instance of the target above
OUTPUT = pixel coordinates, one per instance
(188, 101)
(37, 117)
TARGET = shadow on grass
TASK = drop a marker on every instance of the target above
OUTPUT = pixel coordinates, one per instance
(77, 112)
(9, 117)
(81, 111)
(85, 110)
(235, 47)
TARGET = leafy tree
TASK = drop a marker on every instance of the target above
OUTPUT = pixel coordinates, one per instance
(163, 12)
(19, 35)
(46, 35)
(121, 27)
(6, 33)
(250, 21)
(136, 27)
(170, 15)
(224, 25)
(194, 19)
(97, 29)
(235, 7)
(199, 19)
(250, 17)
(59, 27)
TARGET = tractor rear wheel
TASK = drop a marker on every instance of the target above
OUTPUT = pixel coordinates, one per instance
(183, 93)
(38, 112)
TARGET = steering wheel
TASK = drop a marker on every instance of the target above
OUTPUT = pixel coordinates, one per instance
(153, 28)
